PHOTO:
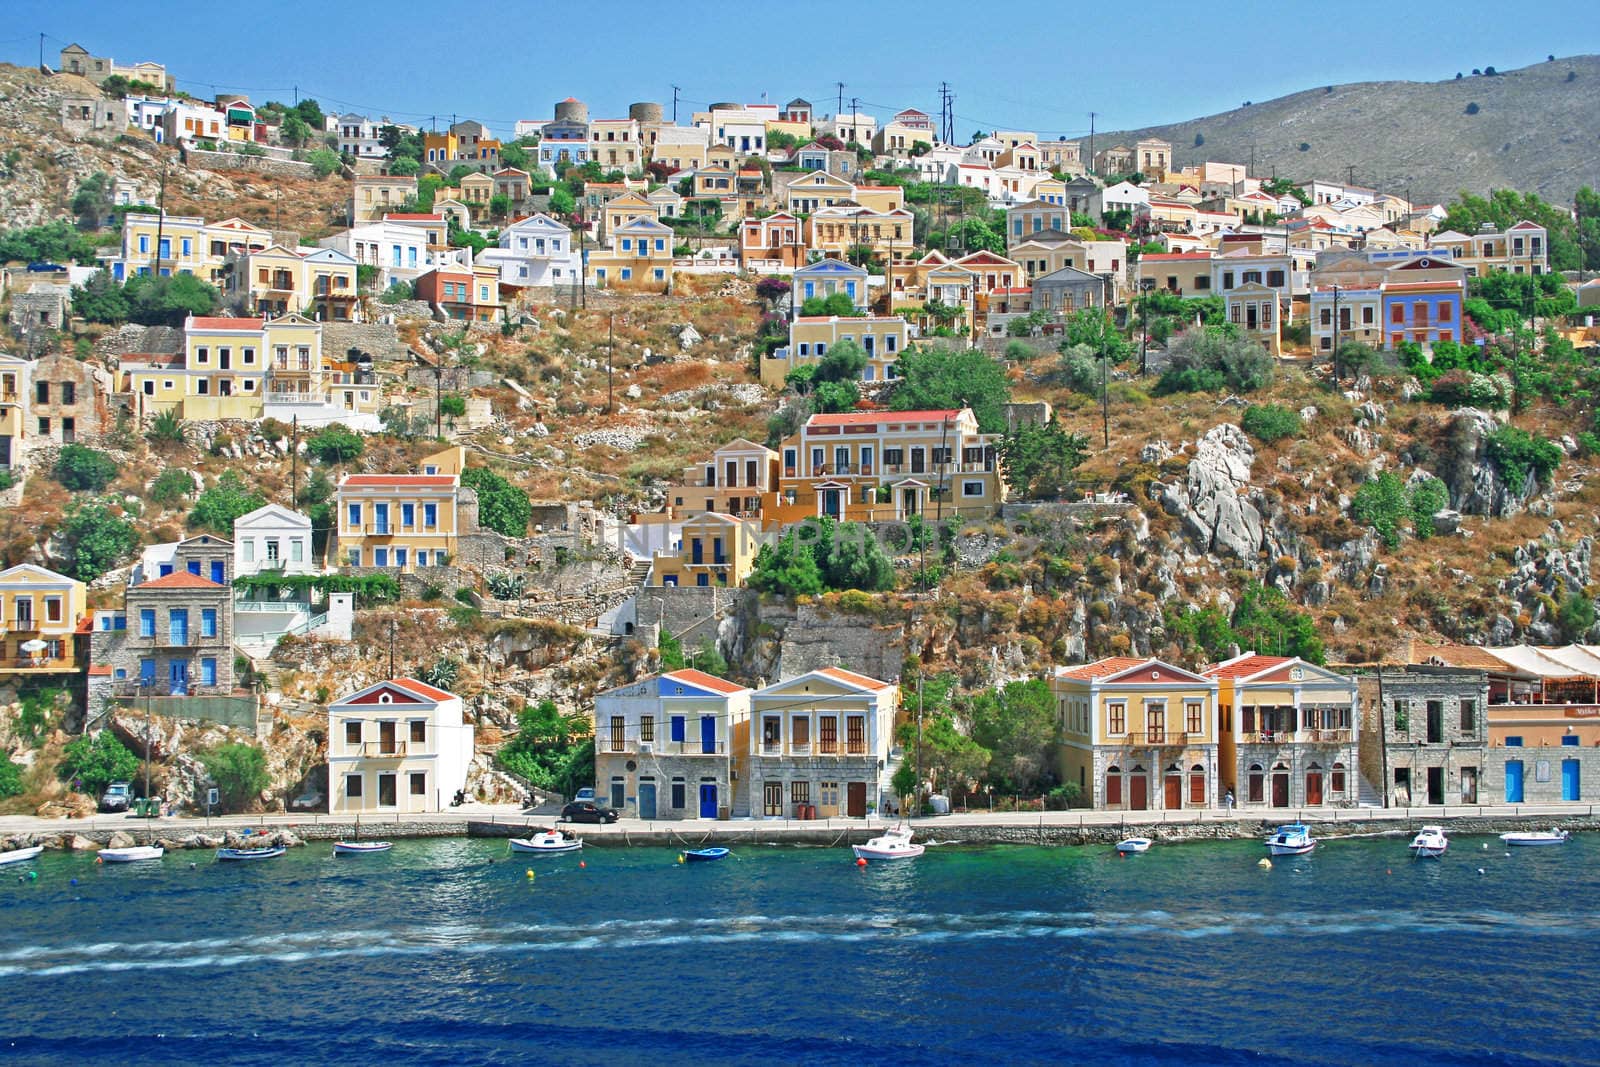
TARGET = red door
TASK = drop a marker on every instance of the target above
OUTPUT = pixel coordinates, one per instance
(1280, 790)
(1138, 792)
(1174, 797)
(1314, 787)
(855, 796)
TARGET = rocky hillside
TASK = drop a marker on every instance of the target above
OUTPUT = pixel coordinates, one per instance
(1530, 129)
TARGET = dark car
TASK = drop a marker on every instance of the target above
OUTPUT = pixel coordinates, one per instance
(589, 811)
(117, 797)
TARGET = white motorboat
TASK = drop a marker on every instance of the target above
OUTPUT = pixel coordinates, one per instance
(1291, 839)
(547, 841)
(893, 844)
(360, 848)
(20, 855)
(132, 854)
(1429, 843)
(1535, 837)
(1134, 845)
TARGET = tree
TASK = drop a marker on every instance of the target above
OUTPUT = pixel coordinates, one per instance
(1575, 616)
(1426, 498)
(293, 131)
(499, 205)
(786, 568)
(167, 300)
(403, 166)
(1270, 422)
(1504, 208)
(81, 468)
(562, 203)
(166, 428)
(1094, 327)
(101, 299)
(936, 379)
(1380, 504)
(1587, 207)
(239, 772)
(502, 507)
(1211, 358)
(324, 161)
(92, 202)
(830, 398)
(336, 443)
(948, 758)
(1018, 725)
(222, 502)
(841, 304)
(171, 486)
(550, 750)
(93, 540)
(1265, 620)
(55, 242)
(92, 763)
(1519, 455)
(10, 778)
(452, 406)
(1037, 460)
(772, 290)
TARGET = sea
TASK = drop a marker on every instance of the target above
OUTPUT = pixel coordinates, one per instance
(452, 951)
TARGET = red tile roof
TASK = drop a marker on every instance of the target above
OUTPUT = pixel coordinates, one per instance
(1101, 668)
(180, 580)
(422, 689)
(704, 680)
(852, 677)
(1168, 256)
(417, 481)
(220, 322)
(415, 216)
(1245, 667)
(99, 670)
(868, 418)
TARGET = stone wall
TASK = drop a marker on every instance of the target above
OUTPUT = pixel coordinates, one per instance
(279, 168)
(820, 638)
(1537, 761)
(380, 340)
(678, 609)
(134, 338)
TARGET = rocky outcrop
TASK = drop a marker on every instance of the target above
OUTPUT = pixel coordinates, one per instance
(1476, 487)
(1214, 502)
(1546, 575)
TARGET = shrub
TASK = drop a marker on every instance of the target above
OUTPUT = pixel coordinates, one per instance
(1270, 422)
(1427, 497)
(1472, 109)
(81, 468)
(10, 778)
(1380, 503)
(335, 444)
(1517, 454)
(94, 540)
(502, 507)
(239, 771)
(167, 428)
(1081, 370)
(219, 505)
(92, 763)
(1220, 356)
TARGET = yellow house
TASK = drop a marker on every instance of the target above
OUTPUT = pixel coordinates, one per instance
(181, 244)
(1153, 158)
(218, 376)
(822, 745)
(14, 374)
(476, 190)
(819, 189)
(624, 209)
(279, 280)
(1181, 273)
(881, 197)
(40, 613)
(639, 259)
(1253, 309)
(1137, 734)
(882, 337)
(714, 549)
(835, 230)
(402, 521)
(733, 482)
(373, 195)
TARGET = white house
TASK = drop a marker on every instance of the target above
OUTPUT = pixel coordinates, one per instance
(358, 137)
(277, 540)
(399, 746)
(534, 251)
(1119, 197)
(400, 246)
(740, 129)
(822, 741)
(272, 538)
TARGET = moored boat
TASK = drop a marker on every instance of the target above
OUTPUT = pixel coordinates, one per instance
(1429, 843)
(702, 855)
(1291, 839)
(1535, 837)
(893, 844)
(547, 841)
(232, 855)
(132, 854)
(20, 855)
(1134, 845)
(360, 848)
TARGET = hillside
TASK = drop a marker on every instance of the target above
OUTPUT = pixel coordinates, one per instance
(1534, 130)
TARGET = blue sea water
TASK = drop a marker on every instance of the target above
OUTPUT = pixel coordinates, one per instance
(444, 951)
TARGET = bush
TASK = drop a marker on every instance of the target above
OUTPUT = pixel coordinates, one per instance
(1220, 356)
(92, 763)
(166, 428)
(502, 507)
(1081, 370)
(10, 778)
(219, 505)
(239, 772)
(171, 486)
(94, 540)
(1472, 109)
(1517, 454)
(1270, 422)
(81, 468)
(1190, 380)
(1455, 388)
(335, 444)
(1380, 503)
(323, 160)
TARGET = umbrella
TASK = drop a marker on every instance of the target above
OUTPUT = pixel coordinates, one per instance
(35, 645)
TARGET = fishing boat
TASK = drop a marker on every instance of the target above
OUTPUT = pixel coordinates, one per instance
(893, 844)
(1133, 846)
(230, 855)
(1535, 837)
(132, 854)
(20, 855)
(1429, 843)
(360, 848)
(547, 841)
(702, 855)
(1291, 839)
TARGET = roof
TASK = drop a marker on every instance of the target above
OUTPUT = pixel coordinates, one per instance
(1452, 655)
(222, 322)
(418, 481)
(869, 418)
(100, 670)
(704, 680)
(851, 677)
(1163, 257)
(1100, 668)
(1246, 666)
(422, 689)
(415, 216)
(181, 580)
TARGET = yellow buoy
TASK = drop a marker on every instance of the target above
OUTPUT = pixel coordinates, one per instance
(530, 874)
(680, 858)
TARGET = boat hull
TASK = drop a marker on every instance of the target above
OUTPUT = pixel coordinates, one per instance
(907, 852)
(360, 848)
(1530, 841)
(244, 855)
(20, 855)
(1277, 849)
(1134, 846)
(534, 848)
(704, 855)
(136, 854)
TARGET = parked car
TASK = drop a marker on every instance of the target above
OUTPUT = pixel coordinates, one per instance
(117, 797)
(589, 811)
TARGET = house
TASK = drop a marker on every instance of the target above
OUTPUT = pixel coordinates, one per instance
(804, 194)
(399, 746)
(374, 195)
(834, 231)
(359, 137)
(513, 183)
(81, 114)
(882, 337)
(75, 59)
(401, 245)
(772, 242)
(185, 123)
(1423, 312)
(1522, 249)
(1118, 159)
(68, 399)
(174, 244)
(320, 282)
(564, 143)
(403, 521)
(714, 550)
(828, 276)
(623, 209)
(1137, 734)
(851, 127)
(617, 144)
(1067, 290)
(681, 148)
(822, 745)
(1287, 732)
(672, 746)
(14, 376)
(639, 258)
(1061, 156)
(1179, 273)
(1430, 745)
(667, 201)
(274, 541)
(733, 481)
(175, 634)
(1152, 157)
(465, 143)
(741, 129)
(464, 293)
(533, 251)
(40, 616)
(1242, 266)
(1123, 196)
(218, 375)
(476, 190)
(1253, 310)
(1032, 217)
(904, 132)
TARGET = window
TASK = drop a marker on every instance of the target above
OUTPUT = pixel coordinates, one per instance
(297, 551)
(1513, 741)
(1445, 313)
(799, 792)
(352, 786)
(1569, 740)
(352, 731)
(1469, 716)
(677, 793)
(1397, 314)
(971, 488)
(208, 622)
(800, 732)
(855, 734)
(676, 728)
(1117, 717)
(147, 622)
(647, 728)
(618, 732)
(419, 731)
(430, 516)
(353, 516)
(208, 671)
(419, 783)
(1193, 717)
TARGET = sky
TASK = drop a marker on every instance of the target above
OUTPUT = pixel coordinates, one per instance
(1133, 66)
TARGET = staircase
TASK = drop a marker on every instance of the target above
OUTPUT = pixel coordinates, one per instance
(638, 570)
(1367, 794)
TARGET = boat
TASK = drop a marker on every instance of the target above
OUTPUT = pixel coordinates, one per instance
(20, 855)
(1291, 839)
(1134, 845)
(228, 855)
(702, 855)
(893, 844)
(1429, 843)
(132, 854)
(547, 841)
(360, 848)
(1535, 837)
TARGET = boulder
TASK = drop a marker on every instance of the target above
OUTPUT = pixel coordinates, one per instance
(1216, 514)
(1446, 522)
(121, 839)
(79, 843)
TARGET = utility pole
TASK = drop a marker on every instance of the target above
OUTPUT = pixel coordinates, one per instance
(610, 353)
(294, 460)
(438, 386)
(161, 221)
(1336, 335)
(674, 105)
(1090, 167)
(917, 795)
(297, 96)
(840, 109)
(583, 262)
(855, 119)
(391, 646)
(41, 65)
(1105, 371)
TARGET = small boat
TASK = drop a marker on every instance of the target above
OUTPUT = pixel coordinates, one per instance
(701, 855)
(1535, 837)
(1134, 845)
(546, 841)
(20, 855)
(132, 854)
(1291, 839)
(360, 848)
(1429, 843)
(894, 844)
(229, 855)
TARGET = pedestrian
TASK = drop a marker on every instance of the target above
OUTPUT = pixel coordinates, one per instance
(1227, 801)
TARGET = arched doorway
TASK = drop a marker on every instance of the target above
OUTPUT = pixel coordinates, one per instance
(1256, 785)
(1113, 786)
(1197, 785)
(1138, 788)
(1314, 784)
(1172, 793)
(1280, 786)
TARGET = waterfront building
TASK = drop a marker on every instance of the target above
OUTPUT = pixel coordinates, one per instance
(1429, 744)
(672, 746)
(822, 745)
(399, 746)
(40, 616)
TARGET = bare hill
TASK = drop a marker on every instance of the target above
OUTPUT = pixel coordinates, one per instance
(1533, 130)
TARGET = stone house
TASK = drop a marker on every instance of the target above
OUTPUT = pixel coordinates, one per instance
(1425, 733)
(822, 745)
(69, 400)
(82, 114)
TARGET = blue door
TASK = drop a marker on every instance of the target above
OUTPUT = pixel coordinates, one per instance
(178, 627)
(1513, 781)
(708, 800)
(708, 734)
(1569, 779)
(647, 800)
(830, 503)
(178, 676)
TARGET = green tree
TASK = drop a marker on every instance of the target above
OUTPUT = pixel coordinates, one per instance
(54, 242)
(835, 397)
(1095, 329)
(10, 778)
(1266, 620)
(81, 468)
(1587, 207)
(840, 304)
(1038, 460)
(1270, 422)
(336, 443)
(93, 540)
(166, 428)
(786, 568)
(502, 507)
(403, 166)
(1213, 358)
(222, 502)
(949, 759)
(499, 205)
(855, 560)
(93, 763)
(1575, 616)
(453, 406)
(1018, 725)
(671, 651)
(171, 486)
(550, 750)
(167, 300)
(324, 161)
(1504, 208)
(708, 657)
(239, 772)
(562, 202)
(1381, 503)
(101, 299)
(92, 202)
(293, 130)
(1426, 498)
(1518, 454)
(842, 363)
(938, 379)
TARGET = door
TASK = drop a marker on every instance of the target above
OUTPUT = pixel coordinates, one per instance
(386, 790)
(647, 800)
(386, 738)
(1436, 785)
(1569, 779)
(830, 503)
(178, 627)
(855, 799)
(1138, 791)
(178, 677)
(708, 800)
(772, 798)
(1514, 781)
(1280, 789)
(1314, 787)
(1173, 784)
(708, 734)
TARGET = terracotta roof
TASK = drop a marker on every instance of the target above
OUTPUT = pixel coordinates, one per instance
(420, 481)
(1454, 656)
(1101, 668)
(414, 216)
(865, 418)
(1163, 257)
(704, 680)
(99, 670)
(422, 689)
(219, 322)
(852, 677)
(1245, 666)
(180, 580)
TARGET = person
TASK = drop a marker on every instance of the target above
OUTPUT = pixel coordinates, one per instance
(1227, 801)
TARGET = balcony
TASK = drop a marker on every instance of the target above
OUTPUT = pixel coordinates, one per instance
(23, 626)
(1157, 739)
(686, 747)
(383, 749)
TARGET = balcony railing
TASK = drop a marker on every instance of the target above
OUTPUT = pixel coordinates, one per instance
(383, 749)
(1288, 737)
(1155, 738)
(686, 747)
(814, 748)
(23, 626)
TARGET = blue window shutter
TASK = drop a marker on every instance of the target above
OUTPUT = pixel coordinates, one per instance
(677, 727)
(194, 567)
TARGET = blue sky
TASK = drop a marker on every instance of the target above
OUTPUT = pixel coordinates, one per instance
(1134, 66)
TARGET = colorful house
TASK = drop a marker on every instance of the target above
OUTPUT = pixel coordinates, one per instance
(320, 282)
(400, 746)
(733, 481)
(713, 550)
(41, 615)
(883, 337)
(464, 293)
(822, 745)
(401, 521)
(639, 259)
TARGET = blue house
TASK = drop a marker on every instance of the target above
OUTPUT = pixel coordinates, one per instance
(828, 276)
